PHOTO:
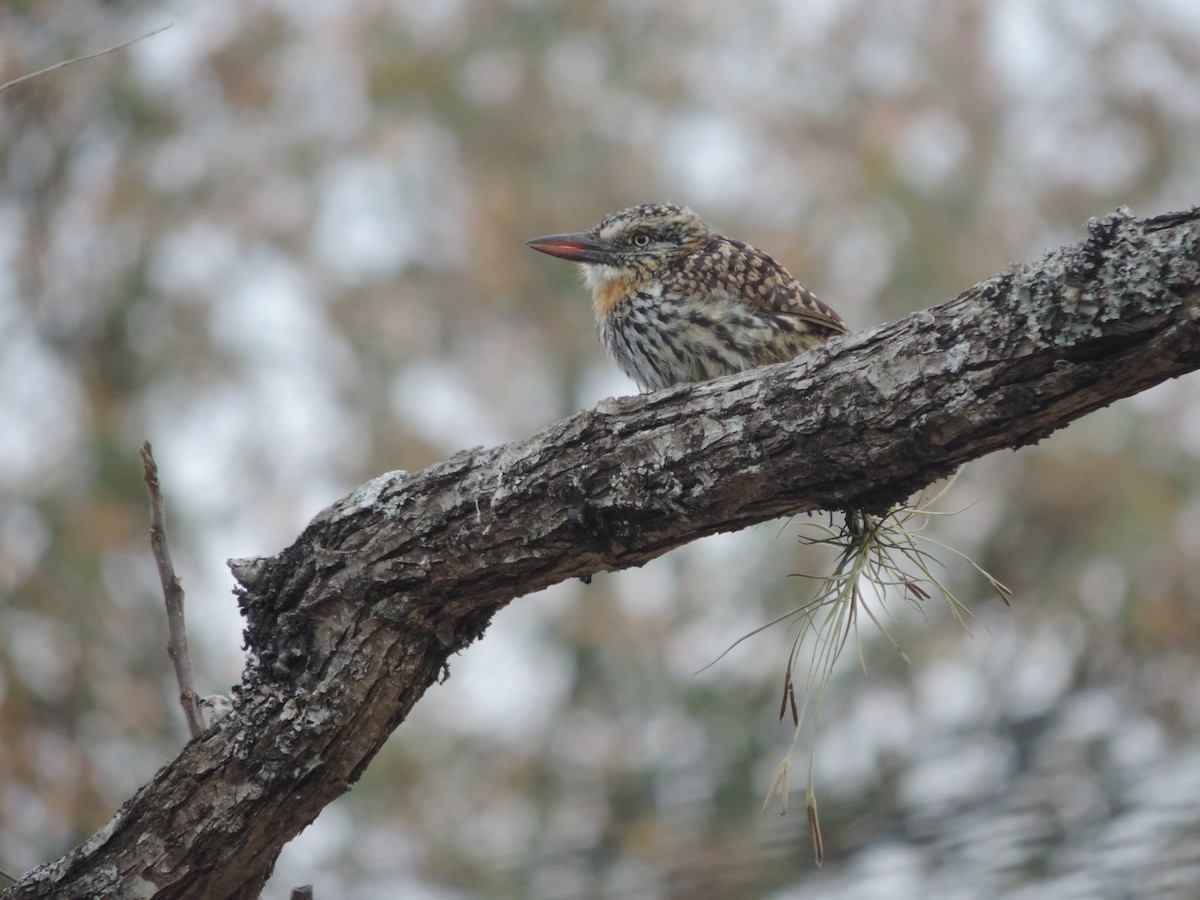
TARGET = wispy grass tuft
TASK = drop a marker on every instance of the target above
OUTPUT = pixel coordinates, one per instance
(877, 557)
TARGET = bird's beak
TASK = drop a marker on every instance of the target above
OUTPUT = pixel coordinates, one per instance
(579, 247)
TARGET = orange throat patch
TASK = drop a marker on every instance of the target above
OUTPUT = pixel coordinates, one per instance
(609, 288)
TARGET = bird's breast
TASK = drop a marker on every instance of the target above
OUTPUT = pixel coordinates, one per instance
(611, 287)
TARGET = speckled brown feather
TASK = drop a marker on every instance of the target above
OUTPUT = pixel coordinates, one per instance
(754, 278)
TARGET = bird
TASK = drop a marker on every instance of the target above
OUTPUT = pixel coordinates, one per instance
(676, 302)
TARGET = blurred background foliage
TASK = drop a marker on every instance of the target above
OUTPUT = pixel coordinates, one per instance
(283, 240)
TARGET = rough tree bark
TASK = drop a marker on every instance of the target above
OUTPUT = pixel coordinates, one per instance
(353, 622)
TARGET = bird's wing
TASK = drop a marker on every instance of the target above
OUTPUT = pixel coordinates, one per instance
(768, 285)
(796, 300)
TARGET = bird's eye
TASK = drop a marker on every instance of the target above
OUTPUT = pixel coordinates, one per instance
(641, 239)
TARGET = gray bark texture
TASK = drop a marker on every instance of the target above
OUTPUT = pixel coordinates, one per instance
(350, 625)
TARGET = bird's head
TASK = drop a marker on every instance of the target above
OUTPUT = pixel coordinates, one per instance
(637, 239)
(628, 250)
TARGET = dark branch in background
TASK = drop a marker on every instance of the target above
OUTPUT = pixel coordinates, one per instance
(351, 624)
(177, 642)
(70, 62)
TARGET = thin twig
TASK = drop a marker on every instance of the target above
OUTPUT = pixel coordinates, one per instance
(177, 644)
(69, 62)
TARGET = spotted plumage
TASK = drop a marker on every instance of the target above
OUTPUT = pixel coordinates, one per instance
(675, 301)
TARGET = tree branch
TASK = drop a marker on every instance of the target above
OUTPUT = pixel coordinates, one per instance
(78, 59)
(355, 620)
(177, 642)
